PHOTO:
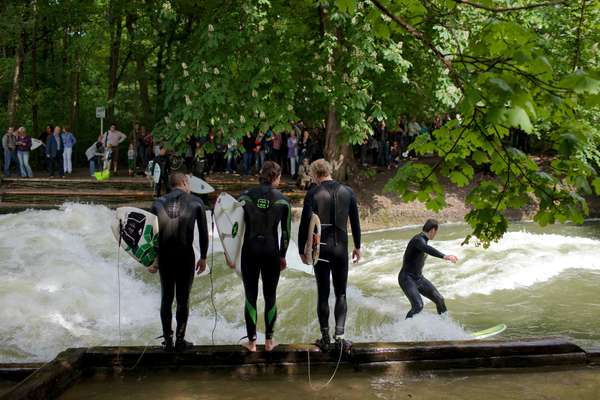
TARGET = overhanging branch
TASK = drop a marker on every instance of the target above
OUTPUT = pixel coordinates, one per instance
(509, 9)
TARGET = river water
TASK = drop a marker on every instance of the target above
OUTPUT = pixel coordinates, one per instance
(60, 288)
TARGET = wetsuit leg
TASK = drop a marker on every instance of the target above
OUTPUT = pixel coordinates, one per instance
(270, 278)
(250, 275)
(183, 287)
(323, 277)
(427, 289)
(411, 290)
(167, 285)
(339, 275)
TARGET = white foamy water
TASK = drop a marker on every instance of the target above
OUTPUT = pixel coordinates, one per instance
(518, 260)
(60, 287)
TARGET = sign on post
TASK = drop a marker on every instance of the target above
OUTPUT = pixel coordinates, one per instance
(101, 113)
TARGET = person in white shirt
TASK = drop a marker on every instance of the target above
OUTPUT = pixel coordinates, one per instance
(114, 138)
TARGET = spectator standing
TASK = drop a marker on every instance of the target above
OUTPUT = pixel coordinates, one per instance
(164, 163)
(54, 153)
(220, 150)
(114, 138)
(9, 144)
(305, 146)
(292, 154)
(268, 145)
(131, 159)
(259, 149)
(148, 146)
(23, 144)
(249, 143)
(209, 151)
(44, 138)
(69, 141)
(230, 156)
(276, 144)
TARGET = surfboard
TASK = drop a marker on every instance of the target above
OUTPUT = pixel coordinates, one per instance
(199, 186)
(155, 176)
(487, 333)
(312, 248)
(229, 220)
(138, 231)
(35, 143)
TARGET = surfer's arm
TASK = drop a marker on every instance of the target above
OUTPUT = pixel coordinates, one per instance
(304, 221)
(202, 230)
(286, 227)
(424, 247)
(354, 221)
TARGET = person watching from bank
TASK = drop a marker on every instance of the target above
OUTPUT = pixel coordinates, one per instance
(23, 143)
(114, 138)
(335, 204)
(9, 144)
(262, 254)
(178, 213)
(411, 278)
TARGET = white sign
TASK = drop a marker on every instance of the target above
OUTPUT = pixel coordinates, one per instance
(100, 112)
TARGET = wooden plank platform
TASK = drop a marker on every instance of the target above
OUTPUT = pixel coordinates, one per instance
(56, 376)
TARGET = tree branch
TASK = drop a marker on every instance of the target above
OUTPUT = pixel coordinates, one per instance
(414, 32)
(509, 9)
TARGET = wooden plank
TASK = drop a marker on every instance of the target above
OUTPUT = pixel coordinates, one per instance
(362, 353)
(50, 380)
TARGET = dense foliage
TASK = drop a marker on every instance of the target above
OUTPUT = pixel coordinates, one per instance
(182, 66)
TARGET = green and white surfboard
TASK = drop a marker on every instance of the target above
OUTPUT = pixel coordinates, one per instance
(490, 332)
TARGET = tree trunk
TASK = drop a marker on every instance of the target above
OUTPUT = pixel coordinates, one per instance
(13, 100)
(115, 22)
(140, 71)
(34, 76)
(338, 153)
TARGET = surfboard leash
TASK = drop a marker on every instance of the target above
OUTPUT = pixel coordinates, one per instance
(119, 289)
(210, 273)
(320, 387)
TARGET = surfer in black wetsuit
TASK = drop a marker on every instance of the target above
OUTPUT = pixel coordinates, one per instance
(411, 278)
(335, 204)
(262, 253)
(177, 213)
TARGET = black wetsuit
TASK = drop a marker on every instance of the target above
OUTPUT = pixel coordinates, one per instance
(411, 278)
(264, 208)
(334, 203)
(177, 213)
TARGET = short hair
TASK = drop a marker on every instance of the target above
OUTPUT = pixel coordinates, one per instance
(177, 179)
(430, 224)
(320, 168)
(269, 172)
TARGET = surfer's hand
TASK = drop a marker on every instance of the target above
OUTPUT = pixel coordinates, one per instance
(452, 259)
(201, 266)
(304, 259)
(153, 269)
(282, 264)
(356, 256)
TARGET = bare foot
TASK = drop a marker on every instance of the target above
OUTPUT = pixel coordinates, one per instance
(250, 346)
(270, 344)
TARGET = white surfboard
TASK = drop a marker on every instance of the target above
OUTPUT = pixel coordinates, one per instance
(138, 231)
(35, 143)
(229, 220)
(312, 249)
(155, 176)
(199, 186)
